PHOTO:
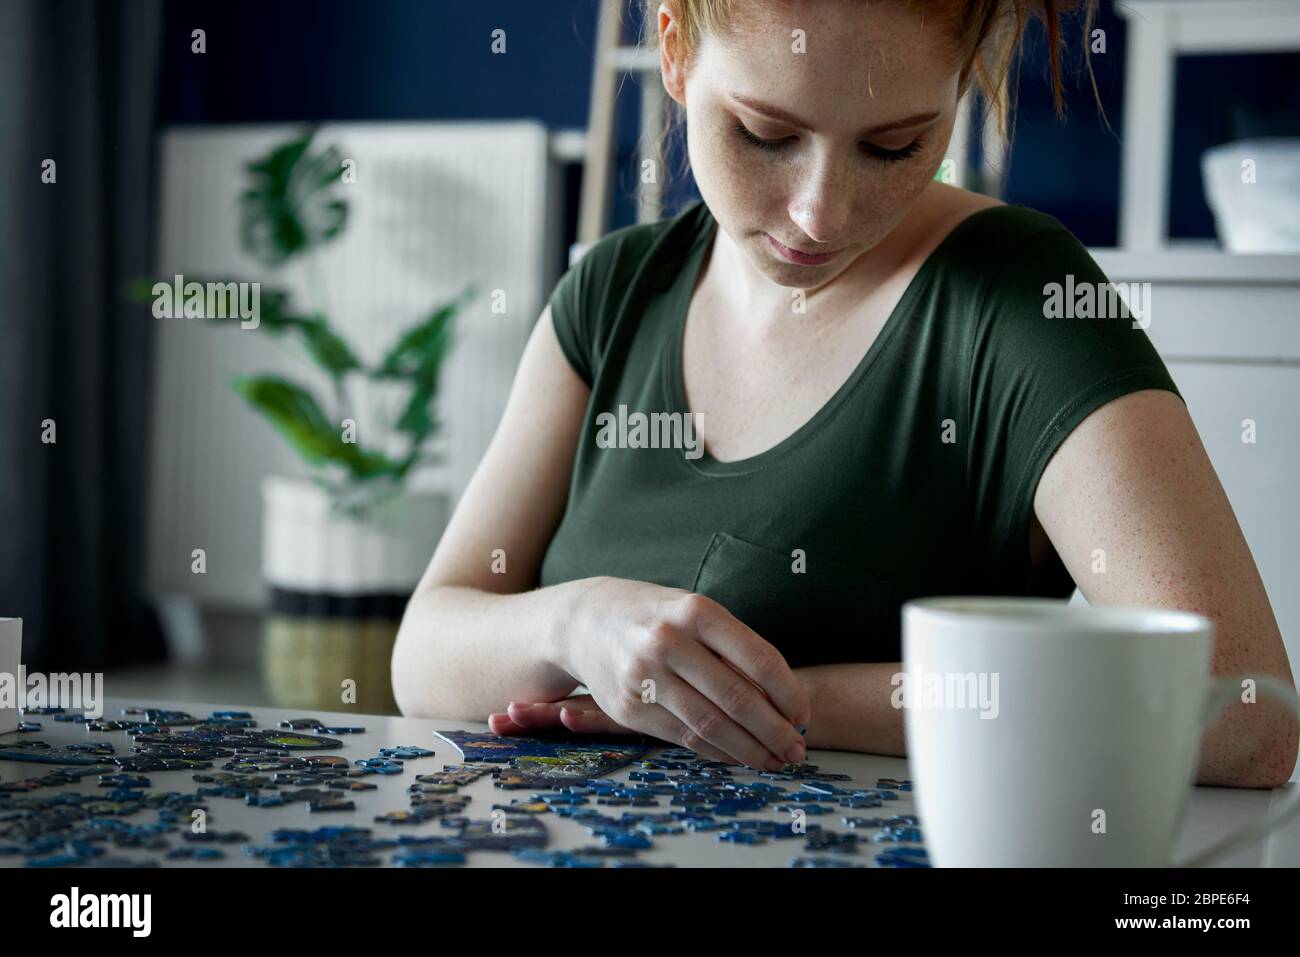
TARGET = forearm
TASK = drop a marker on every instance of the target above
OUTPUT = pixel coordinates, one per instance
(851, 709)
(1250, 746)
(463, 653)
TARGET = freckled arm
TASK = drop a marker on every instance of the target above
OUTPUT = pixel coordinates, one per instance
(1134, 479)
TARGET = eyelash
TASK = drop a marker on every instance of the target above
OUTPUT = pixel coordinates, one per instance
(884, 155)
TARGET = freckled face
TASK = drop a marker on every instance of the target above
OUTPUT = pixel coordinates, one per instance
(869, 108)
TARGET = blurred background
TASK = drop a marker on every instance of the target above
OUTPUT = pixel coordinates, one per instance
(169, 511)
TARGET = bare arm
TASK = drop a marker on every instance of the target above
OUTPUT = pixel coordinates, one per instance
(473, 638)
(1134, 480)
(851, 708)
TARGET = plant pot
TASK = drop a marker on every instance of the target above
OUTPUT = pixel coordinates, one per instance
(338, 586)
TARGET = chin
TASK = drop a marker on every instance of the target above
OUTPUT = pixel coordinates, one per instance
(772, 264)
(800, 277)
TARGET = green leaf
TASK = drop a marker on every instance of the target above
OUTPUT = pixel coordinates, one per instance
(297, 416)
(421, 347)
(271, 301)
(418, 356)
(141, 290)
(327, 347)
(417, 417)
(290, 206)
(330, 351)
(273, 307)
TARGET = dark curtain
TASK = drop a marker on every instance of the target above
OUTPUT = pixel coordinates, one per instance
(78, 85)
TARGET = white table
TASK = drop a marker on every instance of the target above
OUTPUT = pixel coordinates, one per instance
(1212, 812)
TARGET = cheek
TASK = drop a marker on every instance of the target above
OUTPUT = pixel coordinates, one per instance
(927, 163)
(903, 182)
(889, 190)
(738, 167)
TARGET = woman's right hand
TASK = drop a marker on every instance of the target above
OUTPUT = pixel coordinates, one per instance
(680, 667)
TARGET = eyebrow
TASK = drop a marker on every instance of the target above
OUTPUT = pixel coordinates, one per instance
(777, 113)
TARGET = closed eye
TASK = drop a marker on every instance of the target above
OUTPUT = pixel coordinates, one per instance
(877, 152)
(757, 142)
(893, 156)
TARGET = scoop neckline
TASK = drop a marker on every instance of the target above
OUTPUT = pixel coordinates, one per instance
(674, 379)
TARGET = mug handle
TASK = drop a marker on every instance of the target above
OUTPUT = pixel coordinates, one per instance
(1223, 692)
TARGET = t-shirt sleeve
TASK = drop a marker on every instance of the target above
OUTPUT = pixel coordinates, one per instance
(1053, 342)
(586, 298)
(571, 313)
(600, 292)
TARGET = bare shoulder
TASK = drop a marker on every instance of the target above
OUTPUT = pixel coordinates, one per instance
(939, 210)
(952, 204)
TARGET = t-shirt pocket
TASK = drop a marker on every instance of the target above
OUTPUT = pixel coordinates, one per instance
(815, 610)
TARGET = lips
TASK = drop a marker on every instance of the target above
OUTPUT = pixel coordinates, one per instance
(801, 258)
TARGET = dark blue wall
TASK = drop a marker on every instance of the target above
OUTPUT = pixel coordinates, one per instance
(277, 60)
(285, 60)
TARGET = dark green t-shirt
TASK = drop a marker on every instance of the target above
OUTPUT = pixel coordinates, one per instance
(916, 478)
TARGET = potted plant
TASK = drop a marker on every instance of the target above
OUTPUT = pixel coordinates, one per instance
(342, 549)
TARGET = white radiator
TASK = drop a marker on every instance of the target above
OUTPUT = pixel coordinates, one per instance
(435, 206)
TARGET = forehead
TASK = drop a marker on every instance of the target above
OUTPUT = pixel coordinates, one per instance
(814, 54)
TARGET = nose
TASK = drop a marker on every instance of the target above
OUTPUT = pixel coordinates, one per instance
(822, 206)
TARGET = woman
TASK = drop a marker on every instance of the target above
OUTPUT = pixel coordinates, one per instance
(888, 404)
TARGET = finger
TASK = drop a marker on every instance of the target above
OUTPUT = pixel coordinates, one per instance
(500, 723)
(658, 722)
(582, 715)
(545, 714)
(674, 731)
(740, 699)
(542, 714)
(746, 652)
(706, 724)
(593, 721)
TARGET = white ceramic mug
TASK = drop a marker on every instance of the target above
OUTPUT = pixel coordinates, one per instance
(11, 647)
(1046, 734)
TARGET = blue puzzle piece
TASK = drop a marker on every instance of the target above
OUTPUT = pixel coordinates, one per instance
(857, 803)
(418, 858)
(380, 765)
(632, 840)
(534, 855)
(899, 834)
(821, 862)
(903, 857)
(403, 752)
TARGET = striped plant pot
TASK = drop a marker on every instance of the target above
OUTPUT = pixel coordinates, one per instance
(338, 586)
